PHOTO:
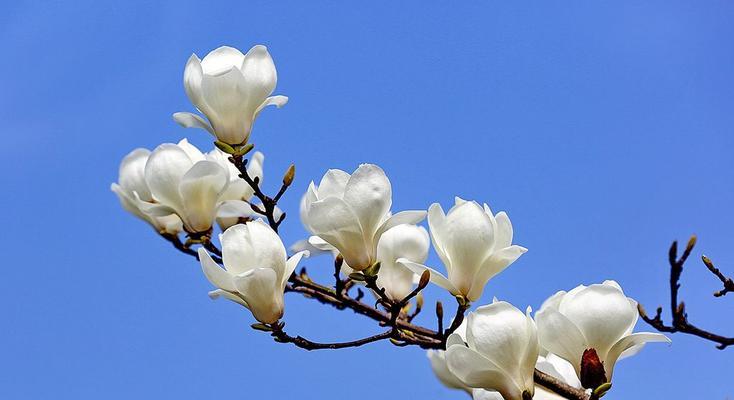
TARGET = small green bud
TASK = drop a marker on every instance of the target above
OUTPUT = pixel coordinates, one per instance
(602, 389)
(261, 327)
(244, 149)
(225, 147)
(356, 276)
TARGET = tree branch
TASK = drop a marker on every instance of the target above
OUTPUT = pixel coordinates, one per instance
(728, 282)
(268, 203)
(678, 313)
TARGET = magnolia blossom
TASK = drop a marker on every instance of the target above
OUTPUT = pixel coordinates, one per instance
(183, 182)
(255, 271)
(472, 243)
(230, 89)
(235, 199)
(591, 327)
(500, 352)
(132, 190)
(351, 212)
(404, 241)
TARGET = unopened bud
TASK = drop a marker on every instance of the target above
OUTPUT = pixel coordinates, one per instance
(419, 301)
(602, 389)
(439, 310)
(592, 373)
(289, 175)
(356, 276)
(425, 278)
(691, 243)
(261, 327)
(244, 149)
(225, 147)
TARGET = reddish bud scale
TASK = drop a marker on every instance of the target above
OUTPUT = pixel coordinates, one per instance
(592, 370)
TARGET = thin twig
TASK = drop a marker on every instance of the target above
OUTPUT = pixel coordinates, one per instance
(268, 203)
(728, 282)
(678, 313)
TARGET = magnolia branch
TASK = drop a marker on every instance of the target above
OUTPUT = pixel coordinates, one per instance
(268, 203)
(401, 332)
(678, 313)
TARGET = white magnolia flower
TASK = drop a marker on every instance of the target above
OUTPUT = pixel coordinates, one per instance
(132, 190)
(351, 212)
(182, 182)
(591, 327)
(404, 241)
(472, 243)
(230, 89)
(235, 199)
(255, 272)
(500, 352)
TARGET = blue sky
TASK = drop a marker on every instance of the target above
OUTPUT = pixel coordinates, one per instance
(604, 129)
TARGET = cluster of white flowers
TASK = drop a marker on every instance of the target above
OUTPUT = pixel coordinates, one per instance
(576, 336)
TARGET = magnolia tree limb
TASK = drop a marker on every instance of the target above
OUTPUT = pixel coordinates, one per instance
(678, 313)
(401, 332)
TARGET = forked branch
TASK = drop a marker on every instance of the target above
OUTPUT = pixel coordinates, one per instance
(678, 313)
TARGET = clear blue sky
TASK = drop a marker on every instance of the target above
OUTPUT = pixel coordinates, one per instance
(603, 128)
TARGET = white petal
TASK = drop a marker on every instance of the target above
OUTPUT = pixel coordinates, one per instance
(321, 245)
(234, 209)
(221, 60)
(215, 294)
(481, 394)
(410, 217)
(458, 337)
(132, 173)
(402, 241)
(503, 235)
(200, 189)
(189, 120)
(261, 290)
(252, 245)
(369, 195)
(441, 370)
(436, 277)
(476, 371)
(259, 72)
(194, 153)
(192, 82)
(277, 101)
(635, 339)
(216, 275)
(290, 266)
(332, 184)
(502, 333)
(468, 239)
(436, 223)
(602, 313)
(335, 222)
(163, 172)
(131, 205)
(559, 368)
(232, 109)
(493, 265)
(560, 336)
